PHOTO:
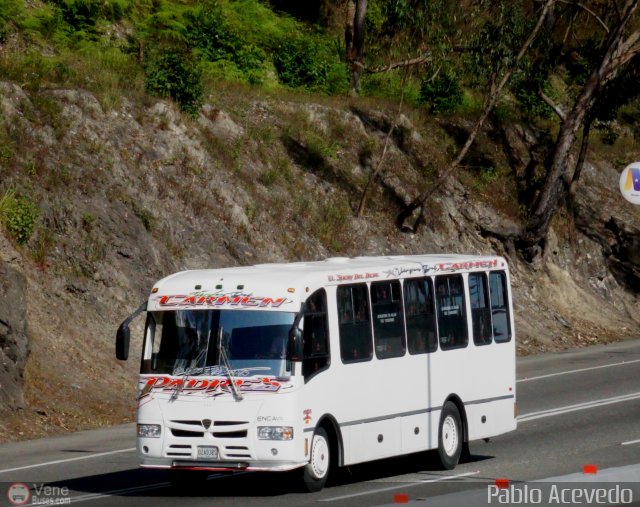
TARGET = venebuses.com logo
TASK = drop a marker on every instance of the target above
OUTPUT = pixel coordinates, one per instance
(630, 183)
(18, 494)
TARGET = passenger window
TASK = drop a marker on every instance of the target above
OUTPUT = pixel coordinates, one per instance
(388, 319)
(316, 335)
(422, 335)
(355, 325)
(500, 307)
(452, 318)
(480, 311)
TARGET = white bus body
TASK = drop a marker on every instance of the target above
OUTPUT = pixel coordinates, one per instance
(326, 363)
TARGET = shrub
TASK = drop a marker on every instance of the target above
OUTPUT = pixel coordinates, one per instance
(305, 62)
(390, 85)
(176, 74)
(209, 34)
(84, 14)
(442, 94)
(9, 10)
(18, 214)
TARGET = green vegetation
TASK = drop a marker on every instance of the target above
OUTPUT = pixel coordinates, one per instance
(176, 75)
(18, 213)
(442, 94)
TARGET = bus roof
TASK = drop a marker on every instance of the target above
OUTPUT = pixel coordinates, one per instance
(284, 286)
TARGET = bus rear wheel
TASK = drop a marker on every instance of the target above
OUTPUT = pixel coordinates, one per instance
(450, 437)
(315, 473)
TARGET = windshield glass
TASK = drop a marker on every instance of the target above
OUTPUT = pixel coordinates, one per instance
(185, 342)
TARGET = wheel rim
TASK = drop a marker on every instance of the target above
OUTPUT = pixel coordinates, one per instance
(319, 457)
(449, 435)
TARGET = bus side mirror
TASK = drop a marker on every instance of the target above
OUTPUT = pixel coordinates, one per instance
(295, 344)
(122, 341)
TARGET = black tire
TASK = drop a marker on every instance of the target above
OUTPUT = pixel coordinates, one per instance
(450, 436)
(315, 473)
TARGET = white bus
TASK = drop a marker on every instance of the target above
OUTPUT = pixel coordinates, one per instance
(322, 364)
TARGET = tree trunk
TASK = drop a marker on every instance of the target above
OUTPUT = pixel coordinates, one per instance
(355, 44)
(553, 189)
(586, 131)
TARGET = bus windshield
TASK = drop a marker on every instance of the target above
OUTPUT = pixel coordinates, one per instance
(186, 342)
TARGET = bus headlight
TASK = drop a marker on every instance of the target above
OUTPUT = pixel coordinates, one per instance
(149, 430)
(275, 433)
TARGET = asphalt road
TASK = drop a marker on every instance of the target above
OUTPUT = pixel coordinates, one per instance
(576, 408)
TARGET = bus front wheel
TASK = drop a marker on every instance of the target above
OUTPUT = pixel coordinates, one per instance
(450, 436)
(315, 472)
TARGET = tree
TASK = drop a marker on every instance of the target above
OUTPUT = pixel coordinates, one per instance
(618, 49)
(405, 21)
(419, 202)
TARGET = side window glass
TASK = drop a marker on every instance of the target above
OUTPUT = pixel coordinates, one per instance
(500, 306)
(354, 324)
(422, 335)
(388, 319)
(452, 318)
(315, 335)
(480, 311)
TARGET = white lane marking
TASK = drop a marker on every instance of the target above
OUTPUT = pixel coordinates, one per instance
(579, 406)
(623, 363)
(630, 442)
(411, 485)
(78, 458)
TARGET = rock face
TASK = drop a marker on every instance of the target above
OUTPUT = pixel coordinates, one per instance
(14, 342)
(131, 193)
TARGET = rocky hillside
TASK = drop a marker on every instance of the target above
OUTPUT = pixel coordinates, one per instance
(127, 194)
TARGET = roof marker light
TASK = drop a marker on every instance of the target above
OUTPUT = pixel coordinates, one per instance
(154, 290)
(291, 289)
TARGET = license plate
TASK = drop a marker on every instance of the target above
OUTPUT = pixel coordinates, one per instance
(207, 452)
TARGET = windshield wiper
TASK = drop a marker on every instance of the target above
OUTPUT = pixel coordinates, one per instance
(191, 370)
(227, 366)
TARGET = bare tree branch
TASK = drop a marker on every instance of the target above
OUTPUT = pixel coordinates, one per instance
(627, 51)
(598, 18)
(556, 108)
(568, 31)
(419, 60)
(618, 12)
(435, 74)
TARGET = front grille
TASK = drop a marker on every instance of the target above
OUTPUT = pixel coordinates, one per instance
(185, 433)
(235, 451)
(179, 450)
(230, 434)
(194, 422)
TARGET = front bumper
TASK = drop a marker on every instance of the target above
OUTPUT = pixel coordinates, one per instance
(221, 466)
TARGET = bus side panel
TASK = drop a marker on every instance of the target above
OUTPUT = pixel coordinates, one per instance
(415, 433)
(498, 419)
(381, 439)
